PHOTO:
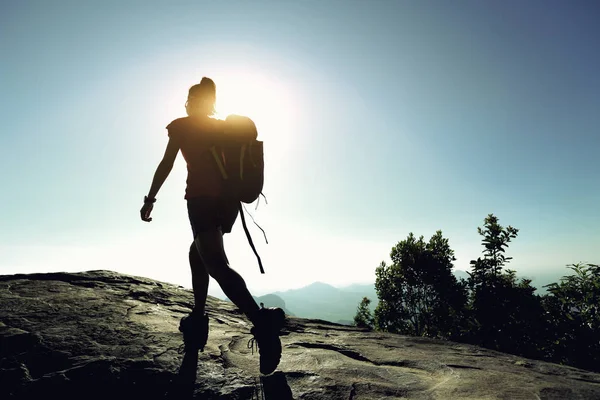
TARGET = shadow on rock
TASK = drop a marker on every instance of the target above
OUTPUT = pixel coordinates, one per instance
(276, 387)
(183, 385)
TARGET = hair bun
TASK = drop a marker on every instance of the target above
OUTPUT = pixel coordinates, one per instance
(207, 82)
(206, 87)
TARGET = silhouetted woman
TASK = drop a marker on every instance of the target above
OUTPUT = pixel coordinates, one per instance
(211, 215)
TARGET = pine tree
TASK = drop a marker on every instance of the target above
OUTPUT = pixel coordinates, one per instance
(363, 317)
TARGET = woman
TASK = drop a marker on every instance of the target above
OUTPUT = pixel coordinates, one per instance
(211, 216)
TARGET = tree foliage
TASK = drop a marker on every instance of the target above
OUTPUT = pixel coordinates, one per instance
(418, 294)
(505, 314)
(363, 317)
(495, 241)
(573, 312)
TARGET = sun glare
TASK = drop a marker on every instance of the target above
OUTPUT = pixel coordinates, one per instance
(265, 100)
(270, 102)
(244, 95)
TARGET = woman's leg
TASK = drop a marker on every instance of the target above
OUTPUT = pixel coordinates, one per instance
(210, 247)
(200, 280)
(195, 326)
(267, 322)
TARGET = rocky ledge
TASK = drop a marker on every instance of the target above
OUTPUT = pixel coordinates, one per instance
(101, 334)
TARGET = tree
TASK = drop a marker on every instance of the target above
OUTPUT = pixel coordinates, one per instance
(573, 310)
(363, 317)
(418, 294)
(495, 240)
(505, 313)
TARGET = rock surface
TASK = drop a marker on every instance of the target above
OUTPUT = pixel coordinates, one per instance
(105, 335)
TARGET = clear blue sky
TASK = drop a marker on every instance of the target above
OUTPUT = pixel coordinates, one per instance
(380, 118)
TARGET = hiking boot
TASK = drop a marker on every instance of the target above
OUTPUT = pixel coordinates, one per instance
(267, 325)
(195, 332)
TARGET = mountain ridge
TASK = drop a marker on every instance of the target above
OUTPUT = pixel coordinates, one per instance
(101, 334)
(339, 303)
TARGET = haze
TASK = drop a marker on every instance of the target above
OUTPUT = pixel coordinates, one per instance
(379, 118)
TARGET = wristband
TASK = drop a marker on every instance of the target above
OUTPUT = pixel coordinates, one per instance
(149, 201)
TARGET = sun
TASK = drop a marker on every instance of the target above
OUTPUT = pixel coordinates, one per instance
(267, 101)
(243, 94)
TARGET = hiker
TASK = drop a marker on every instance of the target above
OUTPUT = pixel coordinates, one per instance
(212, 213)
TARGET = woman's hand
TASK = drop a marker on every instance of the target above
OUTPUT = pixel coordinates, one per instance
(145, 211)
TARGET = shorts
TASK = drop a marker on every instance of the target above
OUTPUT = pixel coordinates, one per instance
(210, 213)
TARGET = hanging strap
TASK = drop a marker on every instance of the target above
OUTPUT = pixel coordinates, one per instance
(219, 162)
(262, 271)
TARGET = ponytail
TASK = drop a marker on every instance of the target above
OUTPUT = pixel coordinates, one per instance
(202, 98)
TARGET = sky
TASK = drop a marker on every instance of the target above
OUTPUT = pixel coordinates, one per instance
(379, 118)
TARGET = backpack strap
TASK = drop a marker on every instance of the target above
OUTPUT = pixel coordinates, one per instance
(219, 162)
(242, 155)
(262, 271)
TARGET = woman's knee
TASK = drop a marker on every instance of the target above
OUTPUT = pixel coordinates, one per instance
(217, 268)
(194, 256)
(210, 251)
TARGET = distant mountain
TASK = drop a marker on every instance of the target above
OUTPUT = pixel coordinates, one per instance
(270, 300)
(460, 274)
(322, 301)
(538, 279)
(541, 279)
(367, 288)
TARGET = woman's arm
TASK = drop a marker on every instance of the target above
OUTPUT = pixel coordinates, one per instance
(164, 168)
(162, 172)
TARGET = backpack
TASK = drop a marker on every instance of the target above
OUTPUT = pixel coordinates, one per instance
(239, 158)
